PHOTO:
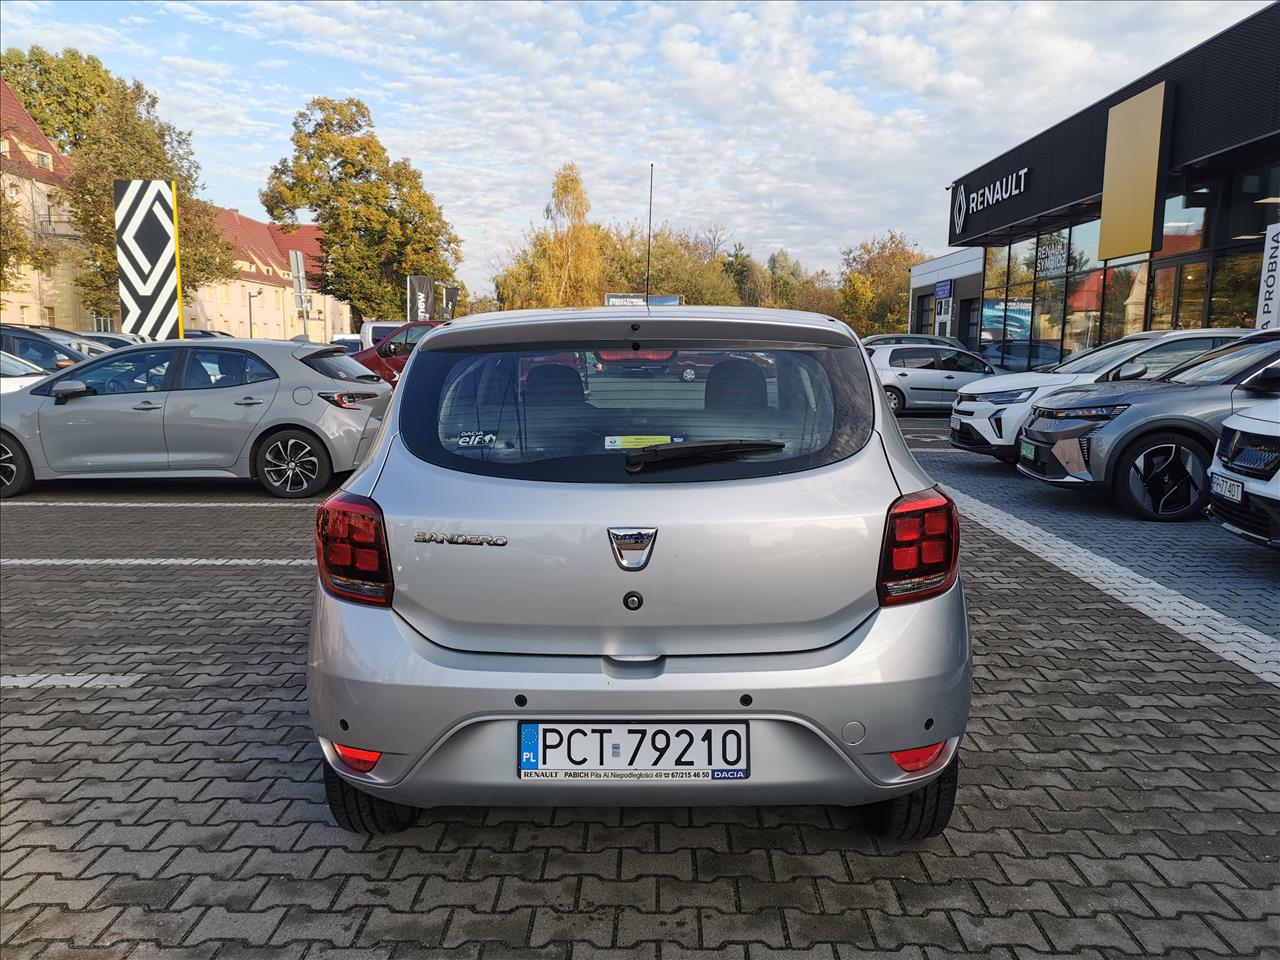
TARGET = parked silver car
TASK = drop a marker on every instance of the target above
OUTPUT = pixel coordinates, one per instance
(733, 590)
(917, 377)
(919, 339)
(1149, 441)
(287, 414)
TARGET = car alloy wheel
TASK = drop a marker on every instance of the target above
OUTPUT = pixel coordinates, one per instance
(291, 465)
(895, 399)
(8, 465)
(688, 374)
(1166, 479)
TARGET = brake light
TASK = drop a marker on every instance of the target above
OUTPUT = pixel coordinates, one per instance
(618, 356)
(361, 761)
(351, 550)
(917, 758)
(921, 545)
(347, 401)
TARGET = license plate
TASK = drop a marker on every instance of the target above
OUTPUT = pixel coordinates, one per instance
(1027, 450)
(610, 750)
(1227, 488)
(955, 422)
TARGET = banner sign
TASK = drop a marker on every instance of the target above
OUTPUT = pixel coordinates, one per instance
(637, 300)
(1268, 317)
(150, 277)
(420, 302)
(450, 303)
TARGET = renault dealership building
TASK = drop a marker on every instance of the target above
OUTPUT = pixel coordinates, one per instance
(1148, 210)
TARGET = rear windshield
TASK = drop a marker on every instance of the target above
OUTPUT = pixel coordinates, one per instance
(577, 413)
(339, 366)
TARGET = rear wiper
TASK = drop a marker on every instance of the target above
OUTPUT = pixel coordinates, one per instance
(696, 450)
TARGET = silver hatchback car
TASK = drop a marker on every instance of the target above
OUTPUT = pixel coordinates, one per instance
(643, 591)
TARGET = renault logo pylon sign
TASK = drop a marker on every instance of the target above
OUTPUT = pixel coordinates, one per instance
(147, 258)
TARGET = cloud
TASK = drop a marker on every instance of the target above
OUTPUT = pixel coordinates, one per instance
(804, 126)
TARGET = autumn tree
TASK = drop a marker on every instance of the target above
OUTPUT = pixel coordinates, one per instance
(875, 287)
(380, 223)
(63, 92)
(20, 246)
(125, 139)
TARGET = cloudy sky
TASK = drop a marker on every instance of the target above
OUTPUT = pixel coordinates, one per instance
(799, 126)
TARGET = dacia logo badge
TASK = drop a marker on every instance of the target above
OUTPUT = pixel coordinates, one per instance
(632, 546)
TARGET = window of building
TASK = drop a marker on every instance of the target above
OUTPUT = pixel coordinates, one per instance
(22, 313)
(224, 295)
(13, 192)
(924, 313)
(1253, 202)
(1082, 325)
(4, 146)
(995, 266)
(103, 325)
(276, 298)
(1046, 316)
(1051, 254)
(44, 161)
(50, 316)
(1183, 230)
(1235, 290)
(1022, 261)
(1124, 299)
(1084, 246)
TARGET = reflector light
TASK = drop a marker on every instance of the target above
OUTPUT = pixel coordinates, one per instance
(921, 546)
(361, 761)
(917, 758)
(351, 550)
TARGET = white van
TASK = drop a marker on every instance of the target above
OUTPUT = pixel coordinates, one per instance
(374, 331)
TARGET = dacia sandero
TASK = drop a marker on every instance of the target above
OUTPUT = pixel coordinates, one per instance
(555, 582)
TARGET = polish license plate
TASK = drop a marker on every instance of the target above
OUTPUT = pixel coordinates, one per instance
(614, 750)
(1027, 450)
(955, 422)
(1227, 488)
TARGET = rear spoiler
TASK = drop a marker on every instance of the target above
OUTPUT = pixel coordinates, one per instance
(747, 331)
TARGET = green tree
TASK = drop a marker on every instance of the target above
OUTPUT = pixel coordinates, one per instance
(20, 246)
(123, 140)
(62, 91)
(786, 276)
(380, 224)
(875, 287)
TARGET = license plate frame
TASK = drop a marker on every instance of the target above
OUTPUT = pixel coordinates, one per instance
(955, 422)
(629, 772)
(1027, 450)
(1225, 487)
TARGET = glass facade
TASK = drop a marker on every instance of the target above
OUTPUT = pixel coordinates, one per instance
(1048, 296)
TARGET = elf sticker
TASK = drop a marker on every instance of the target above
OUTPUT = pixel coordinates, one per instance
(476, 438)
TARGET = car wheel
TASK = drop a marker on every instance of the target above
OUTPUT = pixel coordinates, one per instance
(1164, 476)
(293, 464)
(360, 812)
(919, 814)
(896, 400)
(688, 374)
(15, 468)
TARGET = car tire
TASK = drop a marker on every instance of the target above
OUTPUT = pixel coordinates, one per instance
(359, 812)
(293, 464)
(897, 402)
(16, 475)
(1163, 477)
(920, 814)
(688, 374)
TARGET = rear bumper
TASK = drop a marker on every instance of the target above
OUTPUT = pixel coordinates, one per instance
(446, 719)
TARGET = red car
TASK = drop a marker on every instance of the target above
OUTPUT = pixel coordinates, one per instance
(388, 356)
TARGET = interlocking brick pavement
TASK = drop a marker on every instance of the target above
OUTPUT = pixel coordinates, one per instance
(1118, 798)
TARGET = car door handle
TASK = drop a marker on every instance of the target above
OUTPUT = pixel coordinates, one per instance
(949, 376)
(147, 405)
(248, 402)
(902, 374)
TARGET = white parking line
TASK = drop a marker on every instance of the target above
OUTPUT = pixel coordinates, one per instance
(159, 562)
(310, 504)
(1228, 638)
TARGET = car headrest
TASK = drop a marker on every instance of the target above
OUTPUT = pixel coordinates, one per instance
(736, 384)
(553, 383)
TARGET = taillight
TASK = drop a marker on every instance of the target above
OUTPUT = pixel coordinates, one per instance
(347, 401)
(917, 758)
(361, 761)
(921, 544)
(351, 550)
(619, 356)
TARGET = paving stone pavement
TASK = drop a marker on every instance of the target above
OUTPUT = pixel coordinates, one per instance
(1120, 794)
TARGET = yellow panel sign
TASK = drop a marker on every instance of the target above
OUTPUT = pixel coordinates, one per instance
(1132, 174)
(633, 442)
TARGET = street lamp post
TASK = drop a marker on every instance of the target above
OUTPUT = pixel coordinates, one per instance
(251, 296)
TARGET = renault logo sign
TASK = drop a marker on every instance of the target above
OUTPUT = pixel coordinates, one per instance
(632, 546)
(957, 208)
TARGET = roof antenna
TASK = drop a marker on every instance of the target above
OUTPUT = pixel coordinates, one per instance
(648, 253)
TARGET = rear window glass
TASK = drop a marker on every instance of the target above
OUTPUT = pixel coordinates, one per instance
(581, 413)
(339, 366)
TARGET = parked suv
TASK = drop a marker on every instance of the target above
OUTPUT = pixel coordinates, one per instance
(1149, 441)
(1244, 477)
(742, 591)
(987, 416)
